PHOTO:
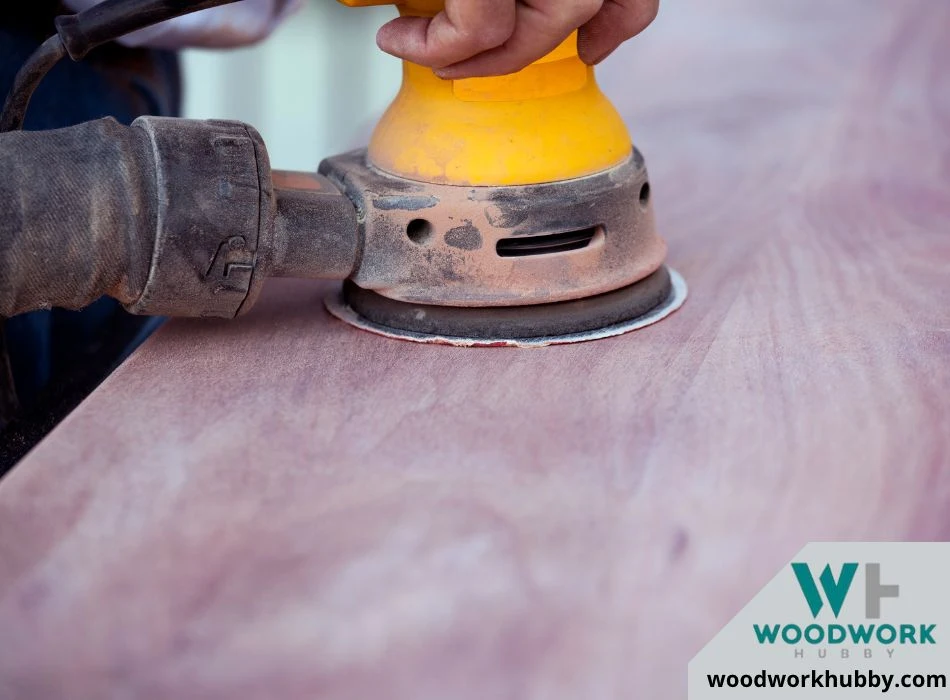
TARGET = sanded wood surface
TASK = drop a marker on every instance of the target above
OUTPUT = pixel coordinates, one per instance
(284, 507)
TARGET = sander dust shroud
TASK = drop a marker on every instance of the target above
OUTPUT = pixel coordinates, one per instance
(521, 266)
(507, 210)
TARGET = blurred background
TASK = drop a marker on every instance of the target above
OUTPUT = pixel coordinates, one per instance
(316, 87)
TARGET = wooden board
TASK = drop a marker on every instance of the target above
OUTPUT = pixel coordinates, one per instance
(285, 507)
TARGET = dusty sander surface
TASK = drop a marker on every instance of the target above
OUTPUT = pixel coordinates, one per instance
(635, 306)
(529, 265)
(466, 246)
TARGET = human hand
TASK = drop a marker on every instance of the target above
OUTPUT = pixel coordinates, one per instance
(495, 37)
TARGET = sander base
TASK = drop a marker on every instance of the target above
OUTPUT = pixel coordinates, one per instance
(613, 313)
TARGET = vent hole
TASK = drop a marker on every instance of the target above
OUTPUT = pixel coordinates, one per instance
(546, 244)
(420, 231)
(645, 195)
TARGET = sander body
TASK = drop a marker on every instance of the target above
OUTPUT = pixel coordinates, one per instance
(502, 210)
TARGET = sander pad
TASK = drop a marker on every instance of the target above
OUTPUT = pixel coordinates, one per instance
(605, 315)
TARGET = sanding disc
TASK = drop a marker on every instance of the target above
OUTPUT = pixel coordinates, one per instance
(621, 311)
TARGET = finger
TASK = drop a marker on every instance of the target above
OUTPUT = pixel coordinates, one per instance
(539, 28)
(617, 21)
(462, 30)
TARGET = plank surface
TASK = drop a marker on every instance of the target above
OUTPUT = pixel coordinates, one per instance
(282, 506)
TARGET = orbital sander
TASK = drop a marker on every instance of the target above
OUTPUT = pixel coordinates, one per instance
(507, 210)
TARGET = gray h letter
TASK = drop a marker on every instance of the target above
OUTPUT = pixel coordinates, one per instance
(875, 591)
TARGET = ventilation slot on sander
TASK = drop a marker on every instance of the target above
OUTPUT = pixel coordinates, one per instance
(550, 243)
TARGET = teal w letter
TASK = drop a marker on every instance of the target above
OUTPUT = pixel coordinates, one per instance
(835, 591)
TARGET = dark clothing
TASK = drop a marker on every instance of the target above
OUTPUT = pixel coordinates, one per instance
(58, 356)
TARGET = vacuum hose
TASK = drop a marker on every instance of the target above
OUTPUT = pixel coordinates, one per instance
(172, 217)
(68, 234)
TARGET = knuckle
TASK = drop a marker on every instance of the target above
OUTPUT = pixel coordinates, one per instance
(582, 10)
(503, 33)
(494, 34)
(482, 38)
(567, 16)
(578, 12)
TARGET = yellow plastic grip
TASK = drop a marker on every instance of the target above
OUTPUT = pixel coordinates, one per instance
(547, 122)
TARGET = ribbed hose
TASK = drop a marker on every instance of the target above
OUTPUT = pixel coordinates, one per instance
(77, 219)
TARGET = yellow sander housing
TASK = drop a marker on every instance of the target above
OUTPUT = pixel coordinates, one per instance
(510, 210)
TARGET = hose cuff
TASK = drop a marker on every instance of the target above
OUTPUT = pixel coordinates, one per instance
(214, 218)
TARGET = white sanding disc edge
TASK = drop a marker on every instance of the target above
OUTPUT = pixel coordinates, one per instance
(678, 293)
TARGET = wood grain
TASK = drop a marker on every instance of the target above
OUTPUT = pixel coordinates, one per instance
(285, 507)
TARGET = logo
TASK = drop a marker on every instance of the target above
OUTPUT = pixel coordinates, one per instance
(866, 618)
(836, 591)
(827, 596)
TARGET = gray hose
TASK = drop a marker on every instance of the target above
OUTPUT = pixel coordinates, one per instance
(172, 217)
(77, 216)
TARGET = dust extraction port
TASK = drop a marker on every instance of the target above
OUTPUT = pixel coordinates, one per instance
(520, 246)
